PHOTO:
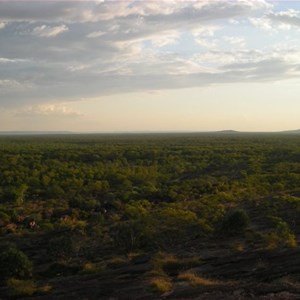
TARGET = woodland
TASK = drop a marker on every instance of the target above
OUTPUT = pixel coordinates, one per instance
(150, 216)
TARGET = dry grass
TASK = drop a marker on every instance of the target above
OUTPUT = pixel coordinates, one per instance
(26, 288)
(163, 258)
(238, 247)
(289, 280)
(132, 255)
(161, 284)
(89, 267)
(18, 287)
(45, 289)
(196, 280)
(274, 241)
(116, 262)
(170, 264)
(158, 262)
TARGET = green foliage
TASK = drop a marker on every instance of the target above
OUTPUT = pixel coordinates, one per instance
(4, 218)
(14, 263)
(20, 194)
(83, 204)
(64, 246)
(280, 235)
(235, 222)
(132, 234)
(175, 224)
(96, 195)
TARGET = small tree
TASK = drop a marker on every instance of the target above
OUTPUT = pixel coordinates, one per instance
(20, 194)
(14, 263)
(235, 222)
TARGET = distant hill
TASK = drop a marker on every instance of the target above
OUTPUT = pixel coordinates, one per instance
(33, 132)
(220, 132)
(228, 131)
(297, 131)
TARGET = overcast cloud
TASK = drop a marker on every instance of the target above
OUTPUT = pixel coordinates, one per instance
(55, 52)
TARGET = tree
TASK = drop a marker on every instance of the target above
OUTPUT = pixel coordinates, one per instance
(235, 222)
(14, 263)
(20, 194)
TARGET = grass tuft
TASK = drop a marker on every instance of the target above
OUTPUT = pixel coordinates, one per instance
(196, 280)
(17, 287)
(117, 262)
(25, 288)
(161, 284)
(45, 289)
(172, 265)
(89, 267)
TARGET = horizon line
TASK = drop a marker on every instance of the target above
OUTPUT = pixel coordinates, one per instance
(3, 132)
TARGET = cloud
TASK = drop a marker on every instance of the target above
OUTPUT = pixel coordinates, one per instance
(205, 31)
(282, 20)
(48, 110)
(125, 46)
(262, 23)
(218, 57)
(38, 10)
(235, 41)
(161, 72)
(203, 36)
(48, 31)
(233, 22)
(9, 83)
(94, 11)
(95, 34)
(289, 17)
(4, 60)
(2, 25)
(206, 43)
(77, 67)
(167, 38)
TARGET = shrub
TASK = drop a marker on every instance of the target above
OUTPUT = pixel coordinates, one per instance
(281, 235)
(235, 222)
(175, 226)
(14, 263)
(132, 234)
(68, 244)
(4, 218)
(63, 247)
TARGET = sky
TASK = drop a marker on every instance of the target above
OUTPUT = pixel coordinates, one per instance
(168, 65)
